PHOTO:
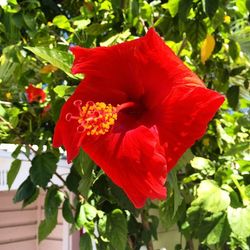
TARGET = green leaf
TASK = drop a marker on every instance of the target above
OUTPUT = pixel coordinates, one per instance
(233, 95)
(134, 8)
(117, 229)
(73, 179)
(121, 198)
(210, 7)
(233, 49)
(184, 8)
(237, 71)
(63, 90)
(32, 198)
(211, 198)
(96, 29)
(84, 217)
(184, 160)
(168, 215)
(204, 165)
(2, 110)
(90, 211)
(67, 212)
(172, 6)
(56, 108)
(53, 200)
(197, 31)
(241, 5)
(58, 58)
(62, 22)
(238, 219)
(222, 133)
(46, 227)
(16, 151)
(80, 216)
(25, 191)
(219, 233)
(84, 166)
(42, 169)
(248, 5)
(85, 242)
(85, 184)
(12, 173)
(154, 223)
(174, 187)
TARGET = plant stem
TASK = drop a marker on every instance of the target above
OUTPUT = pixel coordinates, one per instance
(60, 177)
(146, 226)
(183, 45)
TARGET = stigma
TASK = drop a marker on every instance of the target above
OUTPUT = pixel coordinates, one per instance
(94, 118)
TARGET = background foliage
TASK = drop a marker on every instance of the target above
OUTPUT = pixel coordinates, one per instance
(209, 189)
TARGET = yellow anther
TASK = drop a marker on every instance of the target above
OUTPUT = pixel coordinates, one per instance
(97, 118)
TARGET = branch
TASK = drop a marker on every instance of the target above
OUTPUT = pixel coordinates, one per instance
(60, 177)
(144, 25)
(146, 227)
(130, 243)
(6, 122)
(183, 45)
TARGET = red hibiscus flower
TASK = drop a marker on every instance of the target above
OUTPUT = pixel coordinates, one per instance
(35, 94)
(135, 113)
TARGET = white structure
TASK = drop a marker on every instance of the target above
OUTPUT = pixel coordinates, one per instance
(18, 227)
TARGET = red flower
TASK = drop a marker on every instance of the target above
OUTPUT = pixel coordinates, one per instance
(136, 112)
(35, 94)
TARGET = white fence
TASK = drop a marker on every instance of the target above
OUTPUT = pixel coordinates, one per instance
(18, 226)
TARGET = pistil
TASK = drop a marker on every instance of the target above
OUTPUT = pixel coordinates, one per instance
(96, 118)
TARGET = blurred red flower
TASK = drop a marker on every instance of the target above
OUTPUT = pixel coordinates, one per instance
(135, 113)
(35, 94)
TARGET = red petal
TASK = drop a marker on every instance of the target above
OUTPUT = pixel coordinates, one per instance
(134, 160)
(183, 117)
(65, 133)
(142, 67)
(35, 94)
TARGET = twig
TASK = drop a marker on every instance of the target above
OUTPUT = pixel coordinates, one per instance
(146, 226)
(130, 243)
(6, 122)
(144, 25)
(60, 177)
(32, 149)
(190, 244)
(183, 45)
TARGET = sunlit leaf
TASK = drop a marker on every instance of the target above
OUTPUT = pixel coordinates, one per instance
(172, 6)
(207, 48)
(238, 219)
(58, 58)
(62, 22)
(211, 197)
